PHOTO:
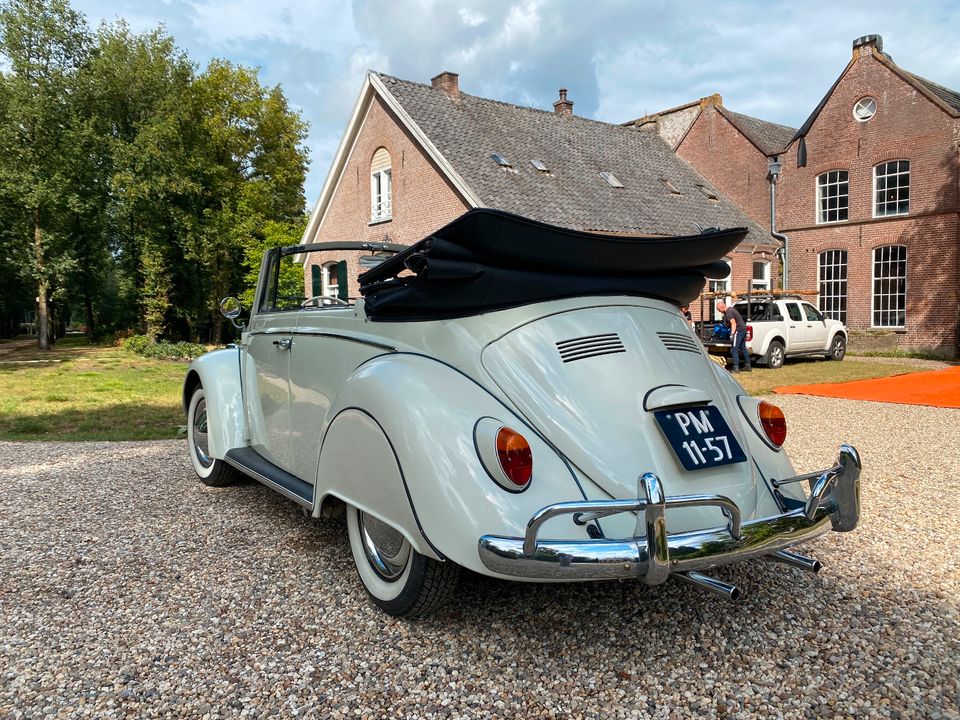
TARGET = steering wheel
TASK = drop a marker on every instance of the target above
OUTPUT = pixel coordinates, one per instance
(323, 300)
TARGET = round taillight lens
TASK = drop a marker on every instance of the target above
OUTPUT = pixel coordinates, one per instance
(515, 457)
(773, 422)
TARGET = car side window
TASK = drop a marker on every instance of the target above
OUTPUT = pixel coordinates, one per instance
(285, 285)
(812, 313)
(793, 310)
(775, 313)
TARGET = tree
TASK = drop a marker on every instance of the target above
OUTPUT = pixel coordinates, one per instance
(45, 43)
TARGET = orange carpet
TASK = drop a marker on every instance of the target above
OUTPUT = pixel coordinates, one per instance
(939, 388)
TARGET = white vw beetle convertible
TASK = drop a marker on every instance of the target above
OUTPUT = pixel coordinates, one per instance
(517, 399)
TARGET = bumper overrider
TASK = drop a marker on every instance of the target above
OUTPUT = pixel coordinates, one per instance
(653, 554)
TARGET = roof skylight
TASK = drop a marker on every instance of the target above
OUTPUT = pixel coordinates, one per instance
(500, 160)
(708, 192)
(670, 186)
(540, 165)
(611, 179)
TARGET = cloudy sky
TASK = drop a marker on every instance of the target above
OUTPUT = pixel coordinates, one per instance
(620, 59)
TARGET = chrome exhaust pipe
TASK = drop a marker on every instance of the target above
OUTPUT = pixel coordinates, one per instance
(799, 561)
(731, 592)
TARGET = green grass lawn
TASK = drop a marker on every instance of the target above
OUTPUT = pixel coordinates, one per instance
(804, 371)
(80, 391)
(83, 392)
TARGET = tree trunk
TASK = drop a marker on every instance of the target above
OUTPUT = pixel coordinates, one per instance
(43, 286)
(88, 311)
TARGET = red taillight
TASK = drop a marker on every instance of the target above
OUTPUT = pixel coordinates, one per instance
(773, 422)
(749, 332)
(515, 457)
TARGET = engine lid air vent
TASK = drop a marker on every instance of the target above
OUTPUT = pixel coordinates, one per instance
(589, 346)
(679, 342)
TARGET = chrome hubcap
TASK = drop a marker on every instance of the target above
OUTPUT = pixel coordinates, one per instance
(386, 549)
(200, 444)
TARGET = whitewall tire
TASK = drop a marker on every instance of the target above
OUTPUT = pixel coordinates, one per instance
(398, 579)
(209, 469)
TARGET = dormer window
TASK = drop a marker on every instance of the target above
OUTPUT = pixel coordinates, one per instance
(381, 187)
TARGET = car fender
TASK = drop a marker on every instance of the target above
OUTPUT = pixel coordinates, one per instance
(219, 373)
(832, 334)
(400, 445)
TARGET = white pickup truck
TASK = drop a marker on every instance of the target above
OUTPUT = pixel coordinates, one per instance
(779, 327)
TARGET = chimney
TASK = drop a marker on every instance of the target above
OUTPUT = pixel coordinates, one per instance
(716, 100)
(563, 106)
(862, 46)
(449, 82)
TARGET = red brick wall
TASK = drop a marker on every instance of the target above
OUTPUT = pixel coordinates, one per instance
(423, 200)
(906, 126)
(732, 163)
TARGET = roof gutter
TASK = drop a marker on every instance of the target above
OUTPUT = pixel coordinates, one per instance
(773, 165)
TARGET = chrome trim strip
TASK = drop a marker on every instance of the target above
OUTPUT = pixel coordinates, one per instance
(323, 333)
(652, 554)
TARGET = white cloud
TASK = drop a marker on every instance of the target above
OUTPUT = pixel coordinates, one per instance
(619, 58)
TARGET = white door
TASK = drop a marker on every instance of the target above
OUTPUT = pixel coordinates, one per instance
(816, 330)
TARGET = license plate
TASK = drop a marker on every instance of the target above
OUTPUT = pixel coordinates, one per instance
(700, 437)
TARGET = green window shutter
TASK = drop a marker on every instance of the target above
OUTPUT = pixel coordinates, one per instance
(316, 283)
(342, 291)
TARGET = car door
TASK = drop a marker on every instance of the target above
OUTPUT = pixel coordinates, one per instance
(796, 328)
(266, 360)
(816, 328)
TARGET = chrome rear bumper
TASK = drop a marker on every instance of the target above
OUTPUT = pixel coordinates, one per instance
(653, 554)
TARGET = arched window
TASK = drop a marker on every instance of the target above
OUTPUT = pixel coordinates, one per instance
(890, 286)
(891, 188)
(833, 196)
(381, 187)
(832, 275)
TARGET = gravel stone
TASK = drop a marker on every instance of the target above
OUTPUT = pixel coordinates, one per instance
(129, 589)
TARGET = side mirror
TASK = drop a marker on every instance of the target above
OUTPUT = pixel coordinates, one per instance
(231, 308)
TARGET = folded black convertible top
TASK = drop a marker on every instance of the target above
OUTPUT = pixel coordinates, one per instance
(489, 260)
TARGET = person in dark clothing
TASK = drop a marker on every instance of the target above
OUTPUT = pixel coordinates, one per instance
(738, 336)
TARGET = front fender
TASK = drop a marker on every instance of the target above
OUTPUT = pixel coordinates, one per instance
(219, 373)
(431, 483)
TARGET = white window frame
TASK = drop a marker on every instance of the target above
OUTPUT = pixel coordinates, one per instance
(724, 286)
(760, 283)
(821, 213)
(880, 302)
(329, 280)
(836, 285)
(877, 176)
(381, 186)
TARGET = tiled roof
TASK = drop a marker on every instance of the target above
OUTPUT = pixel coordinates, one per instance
(950, 97)
(769, 137)
(467, 130)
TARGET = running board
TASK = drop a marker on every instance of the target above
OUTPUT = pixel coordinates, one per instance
(250, 462)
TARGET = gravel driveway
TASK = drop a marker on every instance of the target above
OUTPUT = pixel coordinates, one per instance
(128, 589)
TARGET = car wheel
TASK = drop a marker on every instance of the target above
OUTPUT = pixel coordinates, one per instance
(838, 348)
(210, 470)
(775, 355)
(401, 581)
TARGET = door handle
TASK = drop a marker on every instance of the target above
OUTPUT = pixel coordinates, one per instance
(284, 344)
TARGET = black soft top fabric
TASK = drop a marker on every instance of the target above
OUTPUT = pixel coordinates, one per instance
(489, 260)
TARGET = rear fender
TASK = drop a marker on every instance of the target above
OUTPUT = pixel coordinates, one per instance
(219, 373)
(406, 424)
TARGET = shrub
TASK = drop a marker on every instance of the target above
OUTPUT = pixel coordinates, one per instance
(162, 350)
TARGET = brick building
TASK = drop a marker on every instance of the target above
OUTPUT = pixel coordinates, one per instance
(415, 157)
(867, 195)
(733, 151)
(869, 199)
